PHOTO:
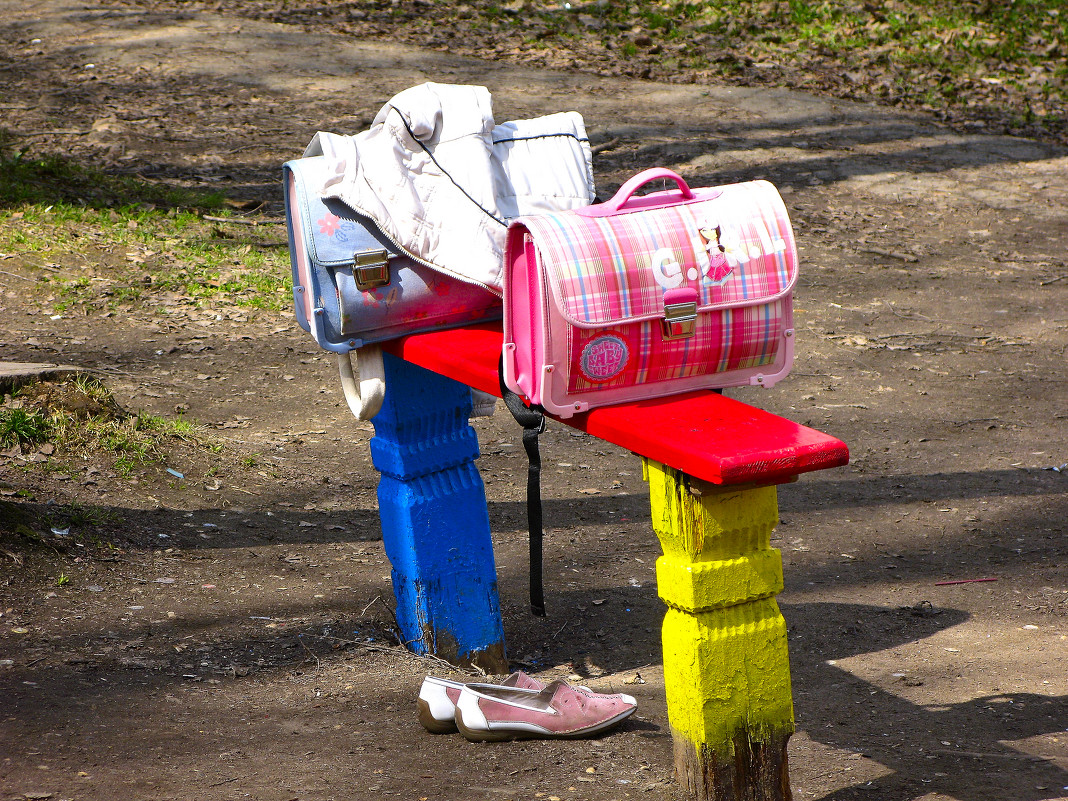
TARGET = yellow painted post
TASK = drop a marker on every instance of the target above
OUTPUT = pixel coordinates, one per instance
(726, 666)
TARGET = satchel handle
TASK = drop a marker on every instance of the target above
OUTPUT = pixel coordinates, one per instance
(621, 197)
(364, 400)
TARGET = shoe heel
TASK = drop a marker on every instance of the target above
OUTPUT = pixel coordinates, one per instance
(474, 736)
(432, 724)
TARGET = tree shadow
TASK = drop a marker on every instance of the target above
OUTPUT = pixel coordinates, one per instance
(904, 488)
(28, 178)
(959, 749)
(104, 664)
(867, 141)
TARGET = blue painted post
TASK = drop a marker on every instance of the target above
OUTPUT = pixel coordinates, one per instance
(435, 523)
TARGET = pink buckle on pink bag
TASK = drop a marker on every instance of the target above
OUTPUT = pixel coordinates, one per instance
(602, 303)
(680, 313)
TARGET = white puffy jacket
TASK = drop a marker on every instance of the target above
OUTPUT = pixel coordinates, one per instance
(442, 181)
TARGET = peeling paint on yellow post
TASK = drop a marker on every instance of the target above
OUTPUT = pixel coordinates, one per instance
(726, 666)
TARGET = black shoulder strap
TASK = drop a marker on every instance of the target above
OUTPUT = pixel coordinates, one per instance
(532, 418)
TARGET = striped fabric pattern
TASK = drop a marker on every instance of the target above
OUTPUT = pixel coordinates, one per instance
(724, 341)
(609, 274)
(603, 269)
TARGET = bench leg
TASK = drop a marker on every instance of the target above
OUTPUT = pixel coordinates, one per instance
(435, 524)
(726, 668)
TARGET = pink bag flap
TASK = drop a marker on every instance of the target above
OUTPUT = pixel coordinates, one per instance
(614, 262)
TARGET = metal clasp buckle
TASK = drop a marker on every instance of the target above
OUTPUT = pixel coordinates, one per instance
(370, 269)
(680, 320)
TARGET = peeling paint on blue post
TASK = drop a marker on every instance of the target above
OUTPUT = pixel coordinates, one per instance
(435, 523)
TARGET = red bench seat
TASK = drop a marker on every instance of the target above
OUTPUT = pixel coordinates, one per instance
(704, 434)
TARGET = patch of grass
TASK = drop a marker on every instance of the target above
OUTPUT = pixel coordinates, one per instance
(71, 293)
(134, 440)
(81, 416)
(657, 21)
(23, 427)
(17, 531)
(133, 239)
(13, 515)
(27, 179)
(1002, 59)
(76, 514)
(129, 255)
(1005, 60)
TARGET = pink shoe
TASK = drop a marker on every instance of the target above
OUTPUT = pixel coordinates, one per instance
(488, 712)
(437, 699)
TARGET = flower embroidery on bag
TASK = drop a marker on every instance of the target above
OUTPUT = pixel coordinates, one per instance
(438, 287)
(330, 224)
(383, 295)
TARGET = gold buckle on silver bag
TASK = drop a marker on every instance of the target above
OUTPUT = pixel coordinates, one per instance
(680, 320)
(370, 268)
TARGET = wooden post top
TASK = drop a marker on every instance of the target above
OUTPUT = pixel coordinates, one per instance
(704, 434)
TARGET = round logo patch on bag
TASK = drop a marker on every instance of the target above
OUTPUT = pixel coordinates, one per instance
(604, 358)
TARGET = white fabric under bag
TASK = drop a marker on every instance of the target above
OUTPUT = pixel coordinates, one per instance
(443, 181)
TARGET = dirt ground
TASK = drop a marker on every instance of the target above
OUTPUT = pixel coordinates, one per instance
(235, 643)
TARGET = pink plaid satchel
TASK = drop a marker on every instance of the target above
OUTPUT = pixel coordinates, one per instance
(647, 296)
